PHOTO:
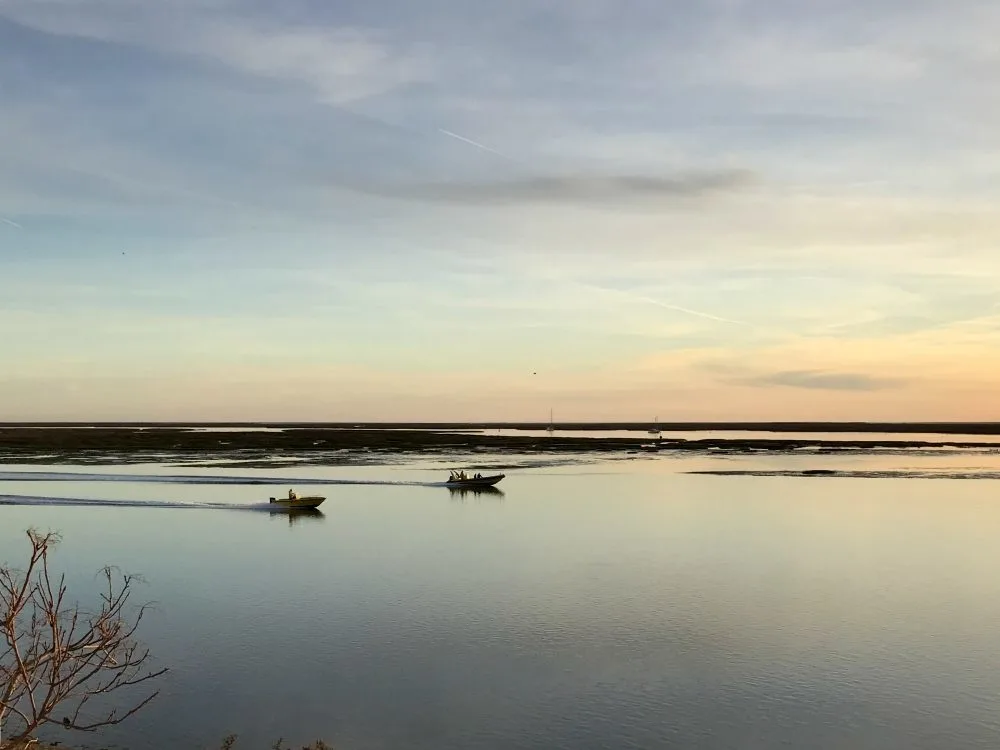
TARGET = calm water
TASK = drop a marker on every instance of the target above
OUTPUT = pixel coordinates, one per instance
(615, 604)
(930, 437)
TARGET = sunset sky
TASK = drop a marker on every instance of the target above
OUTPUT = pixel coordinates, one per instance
(456, 210)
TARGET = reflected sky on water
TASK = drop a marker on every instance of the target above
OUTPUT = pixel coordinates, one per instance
(590, 605)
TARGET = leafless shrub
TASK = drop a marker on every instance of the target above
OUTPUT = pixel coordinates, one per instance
(58, 657)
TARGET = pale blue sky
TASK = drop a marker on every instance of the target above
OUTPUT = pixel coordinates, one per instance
(224, 209)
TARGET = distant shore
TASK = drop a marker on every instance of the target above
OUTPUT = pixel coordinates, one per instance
(146, 441)
(941, 428)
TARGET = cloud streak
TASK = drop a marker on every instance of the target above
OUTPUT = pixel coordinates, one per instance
(585, 189)
(341, 63)
(824, 381)
(8, 222)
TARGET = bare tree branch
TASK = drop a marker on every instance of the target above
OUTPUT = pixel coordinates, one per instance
(58, 657)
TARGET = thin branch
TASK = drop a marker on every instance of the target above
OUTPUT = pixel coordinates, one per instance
(52, 655)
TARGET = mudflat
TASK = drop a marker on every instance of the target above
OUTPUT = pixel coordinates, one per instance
(20, 442)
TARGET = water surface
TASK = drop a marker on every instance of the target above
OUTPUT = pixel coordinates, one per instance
(602, 604)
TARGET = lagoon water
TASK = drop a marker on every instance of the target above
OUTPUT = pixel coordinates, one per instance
(601, 604)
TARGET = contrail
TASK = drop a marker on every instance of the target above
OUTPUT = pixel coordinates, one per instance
(473, 143)
(11, 223)
(630, 296)
(665, 305)
(689, 311)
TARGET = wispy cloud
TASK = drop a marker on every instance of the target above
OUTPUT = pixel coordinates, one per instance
(8, 222)
(574, 188)
(825, 381)
(340, 62)
(343, 64)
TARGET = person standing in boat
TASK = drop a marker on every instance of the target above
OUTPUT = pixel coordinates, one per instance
(292, 495)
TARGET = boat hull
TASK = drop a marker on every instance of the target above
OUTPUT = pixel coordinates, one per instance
(298, 503)
(476, 482)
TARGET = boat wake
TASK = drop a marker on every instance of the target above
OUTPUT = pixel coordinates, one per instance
(36, 500)
(221, 479)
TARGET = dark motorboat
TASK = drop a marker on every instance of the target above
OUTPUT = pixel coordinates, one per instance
(459, 479)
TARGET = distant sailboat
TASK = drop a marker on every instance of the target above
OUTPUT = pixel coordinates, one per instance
(551, 428)
(656, 427)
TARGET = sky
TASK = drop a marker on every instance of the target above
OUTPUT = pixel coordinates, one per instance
(459, 210)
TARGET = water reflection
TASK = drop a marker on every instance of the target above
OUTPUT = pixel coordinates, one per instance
(296, 515)
(461, 493)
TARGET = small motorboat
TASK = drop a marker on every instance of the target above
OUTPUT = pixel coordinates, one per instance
(461, 480)
(295, 502)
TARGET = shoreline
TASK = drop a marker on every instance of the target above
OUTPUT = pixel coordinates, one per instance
(939, 428)
(347, 445)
